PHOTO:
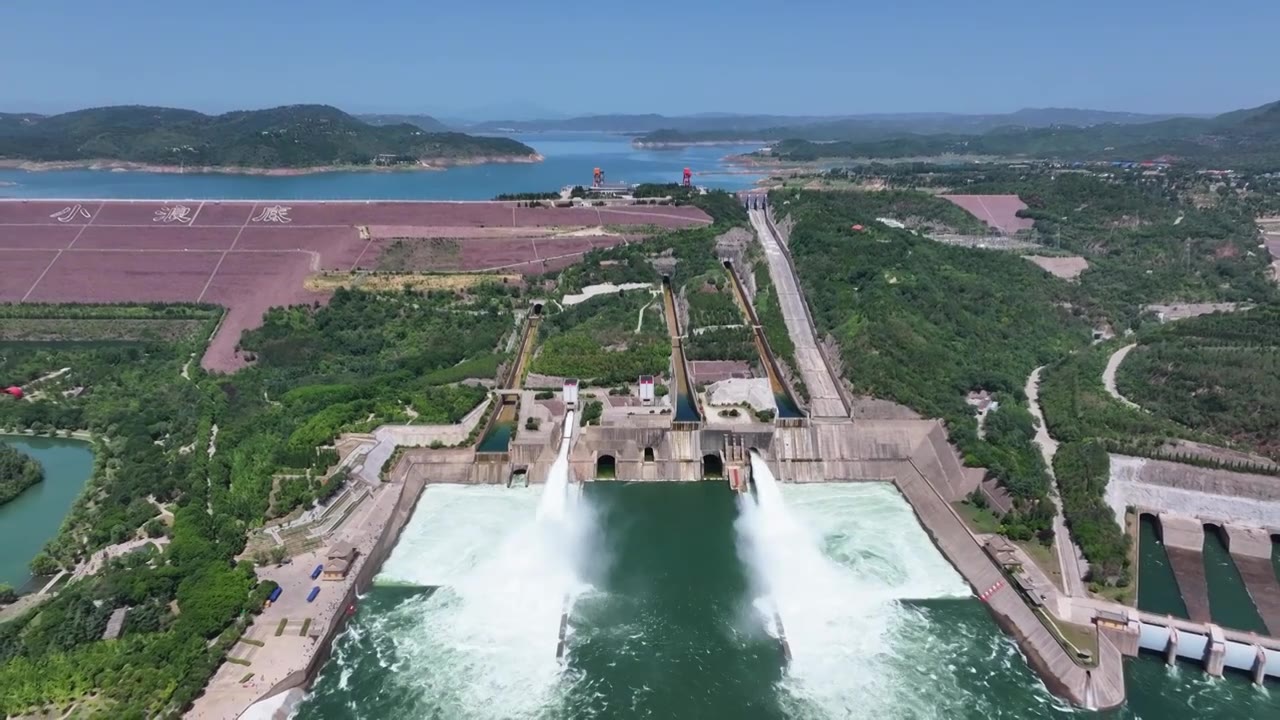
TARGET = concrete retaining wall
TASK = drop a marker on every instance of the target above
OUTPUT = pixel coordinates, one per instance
(369, 565)
(1215, 495)
(1100, 688)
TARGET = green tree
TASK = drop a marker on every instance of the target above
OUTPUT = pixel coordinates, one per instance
(44, 564)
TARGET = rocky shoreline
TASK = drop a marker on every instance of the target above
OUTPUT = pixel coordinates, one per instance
(426, 163)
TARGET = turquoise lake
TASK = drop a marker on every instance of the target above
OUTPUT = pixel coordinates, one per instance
(569, 160)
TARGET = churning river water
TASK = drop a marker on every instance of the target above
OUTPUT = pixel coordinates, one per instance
(668, 620)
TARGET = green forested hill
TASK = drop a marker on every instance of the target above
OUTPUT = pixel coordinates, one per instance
(1217, 373)
(923, 323)
(293, 136)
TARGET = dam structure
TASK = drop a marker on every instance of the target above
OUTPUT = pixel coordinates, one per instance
(813, 441)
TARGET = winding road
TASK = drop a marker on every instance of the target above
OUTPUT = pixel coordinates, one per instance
(1109, 375)
(1071, 563)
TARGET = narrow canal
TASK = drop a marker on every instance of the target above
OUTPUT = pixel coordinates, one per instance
(497, 439)
(686, 403)
(1158, 591)
(28, 521)
(1229, 601)
(1157, 587)
(787, 406)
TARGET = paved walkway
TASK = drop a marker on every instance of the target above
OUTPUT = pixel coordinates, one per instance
(281, 656)
(100, 558)
(824, 392)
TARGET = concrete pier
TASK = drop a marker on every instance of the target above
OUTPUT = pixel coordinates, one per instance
(1251, 550)
(1215, 652)
(1184, 543)
(1171, 650)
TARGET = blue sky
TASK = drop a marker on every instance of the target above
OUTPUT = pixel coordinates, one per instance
(503, 57)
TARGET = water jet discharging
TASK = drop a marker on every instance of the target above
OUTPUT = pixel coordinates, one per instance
(839, 589)
(504, 563)
(555, 510)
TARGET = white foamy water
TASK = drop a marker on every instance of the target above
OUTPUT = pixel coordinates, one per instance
(836, 560)
(484, 644)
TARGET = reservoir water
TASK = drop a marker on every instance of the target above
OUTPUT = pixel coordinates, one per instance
(668, 623)
(569, 159)
(29, 520)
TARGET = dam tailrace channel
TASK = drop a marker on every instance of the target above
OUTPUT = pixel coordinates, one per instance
(666, 596)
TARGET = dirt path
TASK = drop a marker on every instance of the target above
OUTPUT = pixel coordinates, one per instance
(50, 376)
(1071, 563)
(1109, 375)
(96, 561)
(640, 315)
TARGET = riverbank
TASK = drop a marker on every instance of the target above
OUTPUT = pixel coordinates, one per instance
(424, 163)
(84, 435)
(297, 636)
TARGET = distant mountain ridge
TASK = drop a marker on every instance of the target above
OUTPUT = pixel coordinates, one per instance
(887, 122)
(1243, 139)
(287, 137)
(424, 122)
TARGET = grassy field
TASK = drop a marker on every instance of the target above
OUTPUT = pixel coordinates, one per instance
(1046, 558)
(979, 520)
(382, 282)
(89, 330)
(406, 254)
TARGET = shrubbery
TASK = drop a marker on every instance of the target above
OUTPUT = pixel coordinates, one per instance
(1083, 469)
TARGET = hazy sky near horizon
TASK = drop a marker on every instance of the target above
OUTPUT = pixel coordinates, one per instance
(501, 58)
